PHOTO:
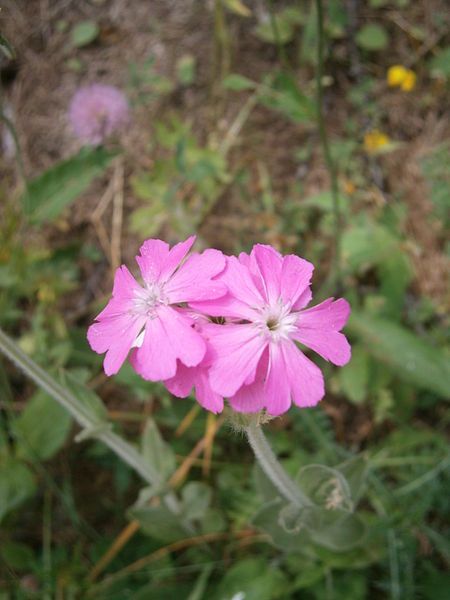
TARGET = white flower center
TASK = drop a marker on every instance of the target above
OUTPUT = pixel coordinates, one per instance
(148, 299)
(277, 321)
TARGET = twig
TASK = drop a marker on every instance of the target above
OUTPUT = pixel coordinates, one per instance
(175, 546)
(187, 420)
(117, 218)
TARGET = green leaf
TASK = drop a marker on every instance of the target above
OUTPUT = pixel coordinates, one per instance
(372, 37)
(84, 33)
(186, 69)
(238, 7)
(334, 529)
(355, 471)
(16, 555)
(364, 246)
(250, 579)
(323, 201)
(42, 428)
(156, 452)
(325, 487)
(238, 83)
(284, 96)
(6, 48)
(354, 377)
(268, 519)
(159, 523)
(16, 485)
(439, 65)
(280, 30)
(86, 396)
(196, 500)
(55, 189)
(409, 357)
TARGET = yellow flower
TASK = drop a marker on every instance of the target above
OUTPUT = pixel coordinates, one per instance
(409, 81)
(375, 140)
(398, 76)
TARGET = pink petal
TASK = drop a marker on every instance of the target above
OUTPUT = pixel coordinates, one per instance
(238, 348)
(269, 263)
(181, 384)
(227, 306)
(175, 256)
(330, 315)
(168, 337)
(205, 395)
(114, 336)
(153, 256)
(249, 398)
(277, 387)
(124, 283)
(296, 275)
(331, 345)
(303, 300)
(188, 377)
(193, 280)
(305, 378)
(240, 284)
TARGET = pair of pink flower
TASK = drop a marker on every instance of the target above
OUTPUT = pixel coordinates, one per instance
(223, 325)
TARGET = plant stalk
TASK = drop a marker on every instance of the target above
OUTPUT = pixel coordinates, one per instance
(93, 426)
(289, 489)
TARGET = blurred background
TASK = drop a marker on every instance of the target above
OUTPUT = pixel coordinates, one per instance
(210, 123)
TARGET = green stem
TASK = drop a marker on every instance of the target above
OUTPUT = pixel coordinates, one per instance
(272, 468)
(276, 34)
(331, 166)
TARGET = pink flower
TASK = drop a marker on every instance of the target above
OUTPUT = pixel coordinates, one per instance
(196, 378)
(257, 363)
(97, 111)
(149, 317)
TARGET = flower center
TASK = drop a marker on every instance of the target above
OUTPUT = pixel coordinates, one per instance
(148, 299)
(277, 321)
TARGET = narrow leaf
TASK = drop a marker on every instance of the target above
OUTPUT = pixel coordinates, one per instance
(410, 358)
(51, 192)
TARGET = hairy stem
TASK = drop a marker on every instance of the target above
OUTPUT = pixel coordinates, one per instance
(274, 471)
(331, 166)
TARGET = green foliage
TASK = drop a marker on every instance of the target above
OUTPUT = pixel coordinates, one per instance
(404, 353)
(16, 484)
(197, 175)
(439, 65)
(435, 170)
(156, 451)
(53, 191)
(237, 83)
(84, 33)
(282, 94)
(252, 580)
(372, 37)
(280, 28)
(186, 69)
(6, 47)
(41, 429)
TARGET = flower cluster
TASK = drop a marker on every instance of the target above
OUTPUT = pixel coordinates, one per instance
(225, 326)
(97, 111)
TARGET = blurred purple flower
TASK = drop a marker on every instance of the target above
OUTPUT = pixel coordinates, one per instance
(97, 111)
